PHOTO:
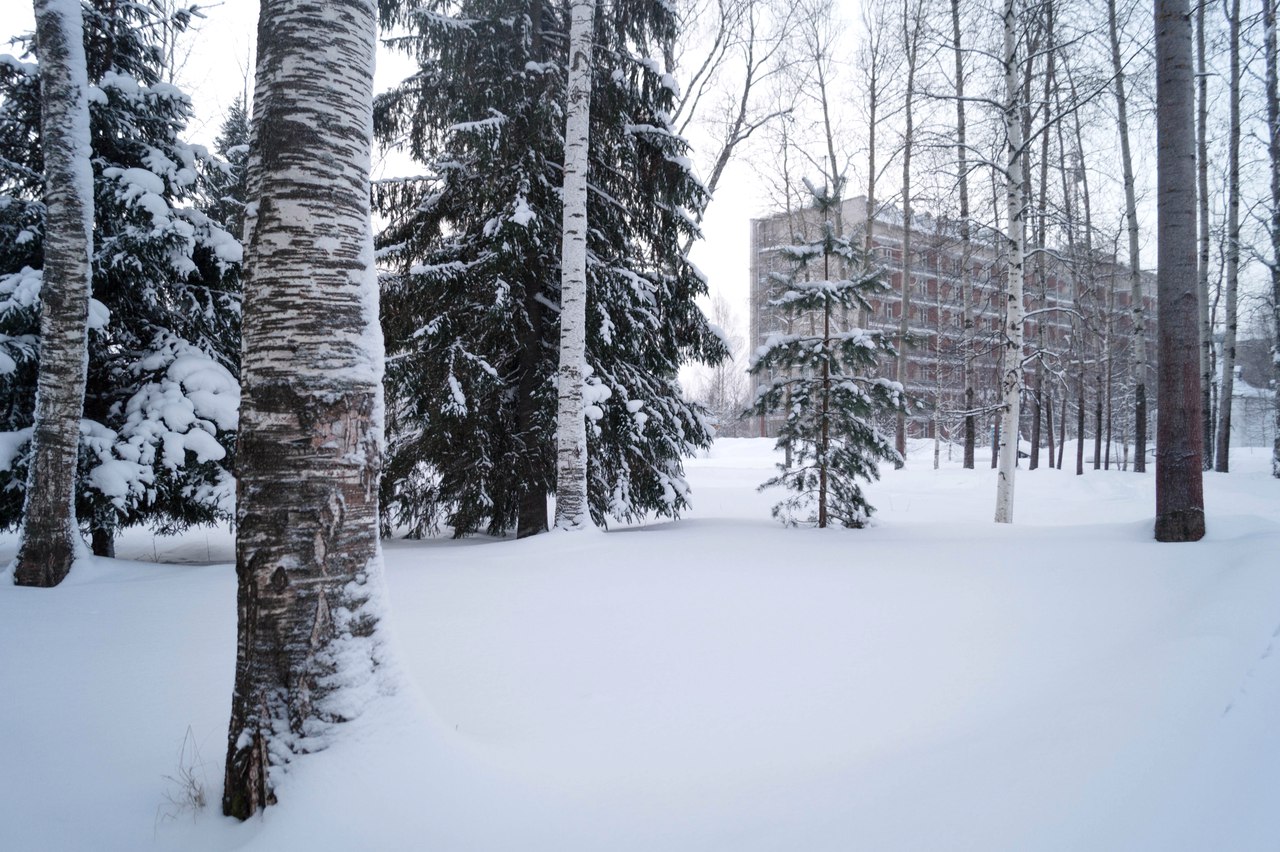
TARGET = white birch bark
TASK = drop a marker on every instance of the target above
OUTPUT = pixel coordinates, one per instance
(572, 508)
(50, 536)
(1011, 381)
(310, 653)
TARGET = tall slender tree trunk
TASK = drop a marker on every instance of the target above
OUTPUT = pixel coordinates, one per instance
(1222, 455)
(310, 650)
(869, 220)
(1011, 381)
(50, 536)
(824, 437)
(1273, 153)
(1179, 487)
(966, 248)
(572, 507)
(1041, 396)
(1136, 306)
(1202, 197)
(910, 42)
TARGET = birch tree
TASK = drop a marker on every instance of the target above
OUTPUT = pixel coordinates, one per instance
(1015, 239)
(571, 430)
(310, 649)
(1179, 486)
(50, 536)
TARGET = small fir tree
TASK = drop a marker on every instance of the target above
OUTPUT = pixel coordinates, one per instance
(824, 383)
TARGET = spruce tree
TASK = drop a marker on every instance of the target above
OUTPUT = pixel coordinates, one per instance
(227, 175)
(824, 383)
(161, 396)
(470, 310)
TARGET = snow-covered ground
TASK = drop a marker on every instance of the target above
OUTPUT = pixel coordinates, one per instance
(934, 682)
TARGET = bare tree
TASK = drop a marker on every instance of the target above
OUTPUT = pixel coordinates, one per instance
(1138, 349)
(1273, 229)
(571, 430)
(50, 537)
(1179, 487)
(745, 42)
(1202, 196)
(310, 647)
(724, 387)
(911, 34)
(1222, 453)
(966, 245)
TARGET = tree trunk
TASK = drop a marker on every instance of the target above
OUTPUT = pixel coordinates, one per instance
(1011, 382)
(966, 248)
(50, 536)
(1202, 181)
(1139, 348)
(1222, 455)
(910, 40)
(102, 536)
(1097, 428)
(310, 648)
(824, 437)
(1273, 153)
(1179, 487)
(1079, 428)
(572, 508)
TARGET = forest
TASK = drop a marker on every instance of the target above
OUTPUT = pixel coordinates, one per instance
(389, 398)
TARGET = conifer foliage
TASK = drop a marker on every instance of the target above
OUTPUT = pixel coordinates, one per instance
(470, 310)
(161, 397)
(824, 383)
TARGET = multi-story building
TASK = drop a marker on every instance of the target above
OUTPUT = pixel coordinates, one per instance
(1077, 333)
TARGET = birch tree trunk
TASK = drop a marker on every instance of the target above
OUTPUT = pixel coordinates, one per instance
(1222, 454)
(310, 652)
(1011, 381)
(966, 248)
(1273, 152)
(50, 536)
(572, 508)
(1202, 182)
(1179, 486)
(1139, 347)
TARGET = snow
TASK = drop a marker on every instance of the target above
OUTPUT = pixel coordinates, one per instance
(933, 682)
